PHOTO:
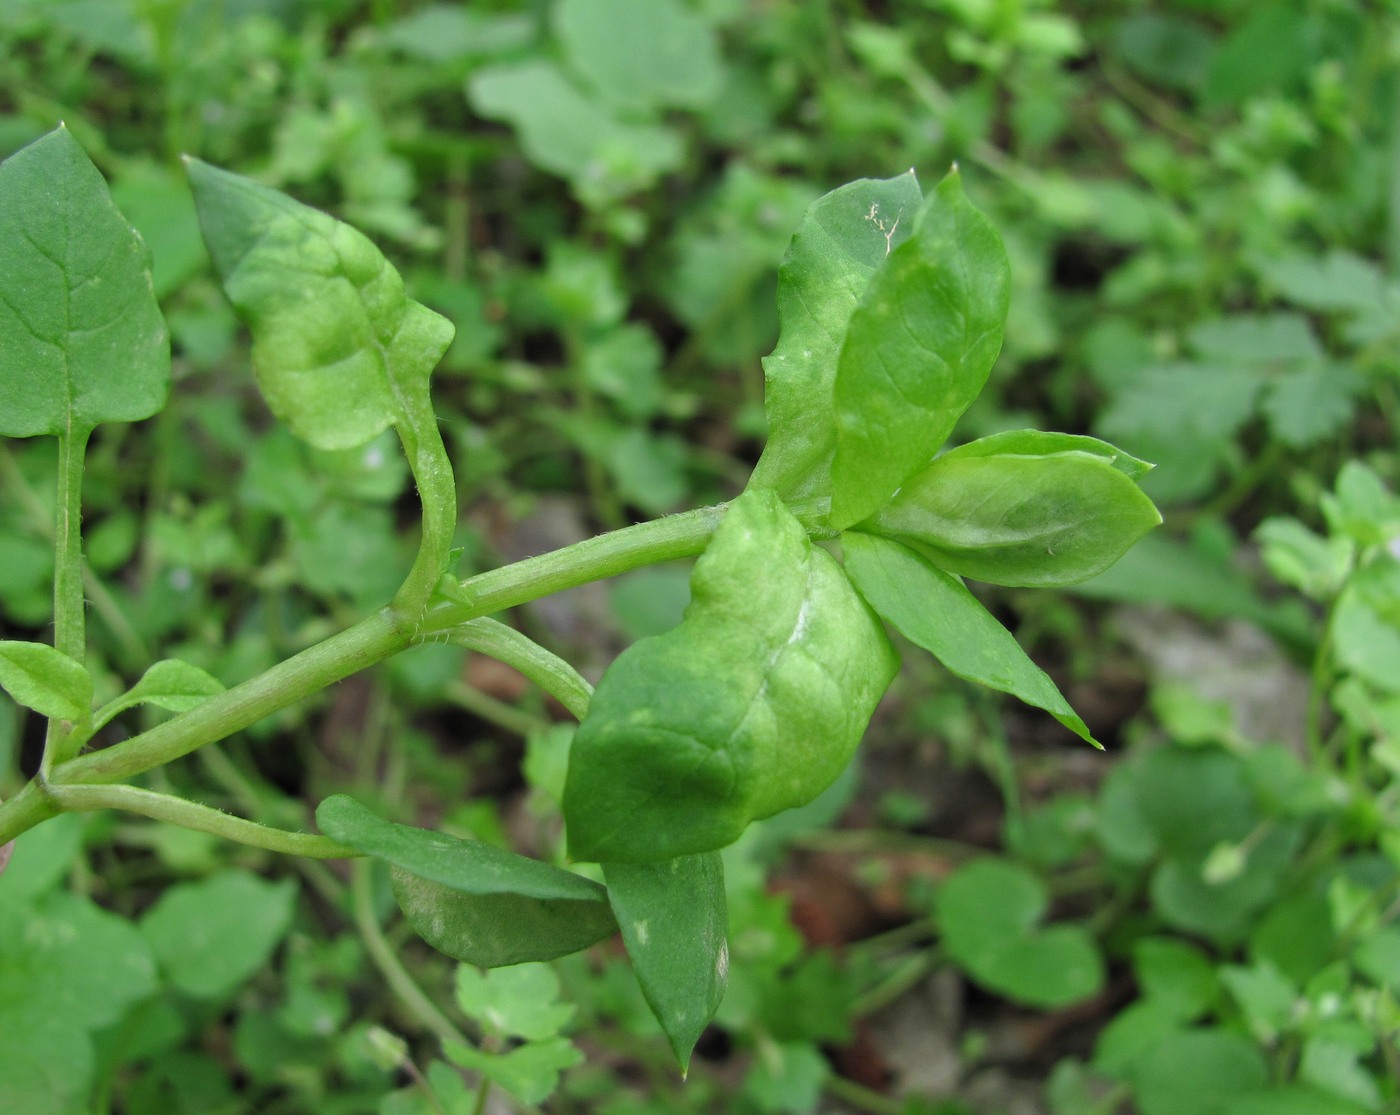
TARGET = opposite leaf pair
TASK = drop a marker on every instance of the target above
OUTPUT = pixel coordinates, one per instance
(756, 702)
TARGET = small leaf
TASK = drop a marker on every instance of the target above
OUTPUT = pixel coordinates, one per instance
(471, 900)
(1037, 443)
(988, 913)
(918, 350)
(1013, 519)
(169, 684)
(529, 1072)
(340, 351)
(843, 239)
(211, 936)
(641, 54)
(46, 680)
(753, 705)
(82, 340)
(935, 610)
(675, 923)
(514, 1002)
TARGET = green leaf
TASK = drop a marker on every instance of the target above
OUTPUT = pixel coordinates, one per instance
(1015, 519)
(675, 924)
(753, 705)
(67, 969)
(340, 351)
(46, 680)
(918, 350)
(1038, 443)
(1313, 402)
(1200, 1071)
(169, 684)
(529, 1072)
(568, 133)
(82, 340)
(843, 239)
(641, 54)
(988, 913)
(41, 857)
(211, 936)
(935, 610)
(514, 1002)
(471, 900)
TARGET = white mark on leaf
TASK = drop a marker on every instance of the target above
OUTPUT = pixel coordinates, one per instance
(642, 930)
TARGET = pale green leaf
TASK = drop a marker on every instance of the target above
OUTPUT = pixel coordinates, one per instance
(1019, 520)
(82, 340)
(641, 54)
(918, 350)
(529, 1072)
(169, 684)
(340, 351)
(211, 936)
(842, 241)
(753, 705)
(522, 1001)
(46, 680)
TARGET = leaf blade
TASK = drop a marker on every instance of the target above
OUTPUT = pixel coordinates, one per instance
(340, 350)
(935, 610)
(45, 679)
(738, 713)
(82, 340)
(842, 241)
(675, 925)
(918, 350)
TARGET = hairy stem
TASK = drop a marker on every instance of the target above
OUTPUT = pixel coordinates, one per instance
(550, 672)
(69, 618)
(200, 818)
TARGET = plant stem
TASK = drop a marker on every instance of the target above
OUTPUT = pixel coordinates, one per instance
(437, 491)
(376, 638)
(550, 672)
(69, 619)
(387, 961)
(200, 818)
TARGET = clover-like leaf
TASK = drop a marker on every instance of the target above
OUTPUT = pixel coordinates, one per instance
(753, 705)
(918, 350)
(340, 351)
(675, 925)
(989, 914)
(935, 610)
(1017, 518)
(843, 239)
(473, 901)
(82, 340)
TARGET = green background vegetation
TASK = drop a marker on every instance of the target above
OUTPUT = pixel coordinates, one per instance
(1201, 204)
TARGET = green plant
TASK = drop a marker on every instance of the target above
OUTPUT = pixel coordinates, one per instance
(892, 308)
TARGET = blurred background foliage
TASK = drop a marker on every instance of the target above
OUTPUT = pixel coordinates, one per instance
(1201, 202)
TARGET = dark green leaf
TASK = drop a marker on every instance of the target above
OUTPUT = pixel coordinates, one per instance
(753, 705)
(842, 241)
(474, 901)
(1020, 520)
(340, 351)
(675, 923)
(935, 610)
(1198, 1070)
(918, 350)
(46, 680)
(81, 336)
